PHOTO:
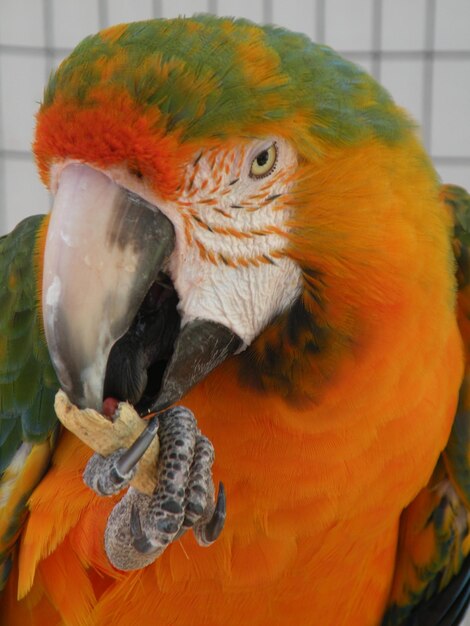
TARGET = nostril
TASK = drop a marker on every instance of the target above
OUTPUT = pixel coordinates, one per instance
(137, 173)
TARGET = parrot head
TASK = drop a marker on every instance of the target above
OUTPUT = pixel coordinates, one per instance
(207, 177)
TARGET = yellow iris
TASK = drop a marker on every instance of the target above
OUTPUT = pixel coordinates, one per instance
(264, 163)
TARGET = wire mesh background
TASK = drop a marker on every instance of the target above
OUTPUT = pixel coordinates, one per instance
(419, 49)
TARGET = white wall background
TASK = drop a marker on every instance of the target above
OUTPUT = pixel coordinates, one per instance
(419, 49)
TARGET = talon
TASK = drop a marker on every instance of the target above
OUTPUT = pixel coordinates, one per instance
(210, 531)
(154, 523)
(135, 452)
(200, 489)
(141, 526)
(103, 475)
(116, 478)
(140, 542)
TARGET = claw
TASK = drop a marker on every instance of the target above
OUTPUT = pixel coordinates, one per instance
(142, 525)
(103, 477)
(140, 541)
(135, 452)
(210, 531)
(118, 479)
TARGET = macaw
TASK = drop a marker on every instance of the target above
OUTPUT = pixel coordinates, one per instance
(248, 245)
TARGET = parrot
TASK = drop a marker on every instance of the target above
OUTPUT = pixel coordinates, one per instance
(250, 249)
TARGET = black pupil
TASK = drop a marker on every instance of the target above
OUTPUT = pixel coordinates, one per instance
(262, 158)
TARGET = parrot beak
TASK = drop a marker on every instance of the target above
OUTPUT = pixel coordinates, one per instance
(110, 311)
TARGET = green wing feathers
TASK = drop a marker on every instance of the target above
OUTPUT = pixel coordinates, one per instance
(431, 550)
(431, 584)
(457, 454)
(28, 425)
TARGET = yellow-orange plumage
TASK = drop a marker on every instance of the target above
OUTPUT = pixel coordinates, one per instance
(321, 452)
(318, 489)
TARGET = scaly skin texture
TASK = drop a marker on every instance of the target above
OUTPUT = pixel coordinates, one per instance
(333, 420)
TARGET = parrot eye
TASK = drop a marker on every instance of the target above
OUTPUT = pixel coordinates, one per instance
(264, 163)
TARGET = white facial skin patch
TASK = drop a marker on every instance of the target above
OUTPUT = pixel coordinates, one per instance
(229, 264)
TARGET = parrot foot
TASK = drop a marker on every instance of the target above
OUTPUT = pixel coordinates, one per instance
(141, 526)
(107, 475)
(103, 474)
